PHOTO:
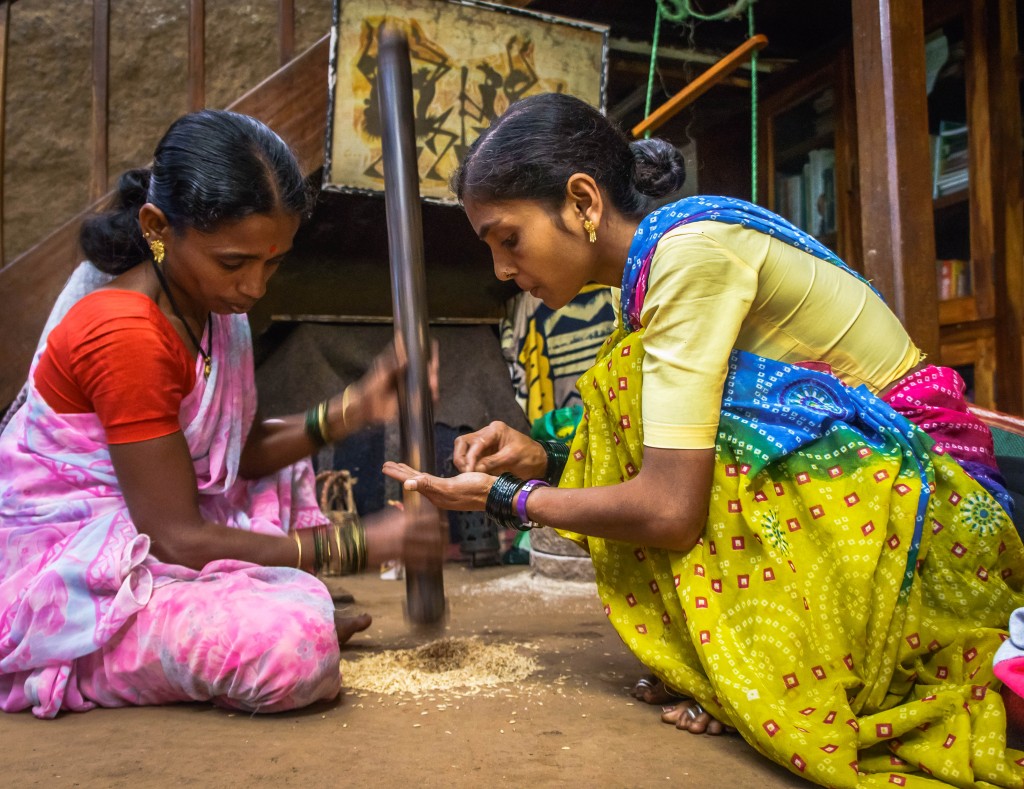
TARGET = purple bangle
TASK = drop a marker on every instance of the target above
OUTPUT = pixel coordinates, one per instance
(525, 491)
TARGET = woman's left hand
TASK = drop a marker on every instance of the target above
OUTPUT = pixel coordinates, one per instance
(464, 492)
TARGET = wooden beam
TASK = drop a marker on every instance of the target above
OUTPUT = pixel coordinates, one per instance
(285, 30)
(196, 54)
(980, 156)
(293, 102)
(100, 98)
(897, 224)
(701, 85)
(5, 26)
(1007, 228)
(643, 48)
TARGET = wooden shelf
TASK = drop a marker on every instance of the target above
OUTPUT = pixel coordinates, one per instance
(956, 198)
(963, 309)
(804, 147)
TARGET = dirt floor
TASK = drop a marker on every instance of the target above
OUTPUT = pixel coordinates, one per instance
(572, 722)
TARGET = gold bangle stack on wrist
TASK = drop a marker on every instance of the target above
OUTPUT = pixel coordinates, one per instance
(339, 548)
(316, 424)
(344, 405)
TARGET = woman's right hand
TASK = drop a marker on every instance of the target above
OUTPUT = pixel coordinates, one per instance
(498, 448)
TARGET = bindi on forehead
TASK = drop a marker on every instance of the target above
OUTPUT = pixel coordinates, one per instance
(273, 248)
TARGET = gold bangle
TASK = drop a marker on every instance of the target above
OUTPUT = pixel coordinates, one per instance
(298, 544)
(344, 406)
(321, 418)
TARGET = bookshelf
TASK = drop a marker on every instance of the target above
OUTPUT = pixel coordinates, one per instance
(964, 256)
(974, 74)
(806, 142)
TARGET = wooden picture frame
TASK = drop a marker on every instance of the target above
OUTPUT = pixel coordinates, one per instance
(470, 60)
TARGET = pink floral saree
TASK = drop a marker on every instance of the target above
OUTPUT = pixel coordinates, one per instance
(75, 573)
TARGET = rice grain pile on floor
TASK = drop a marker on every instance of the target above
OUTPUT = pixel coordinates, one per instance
(442, 665)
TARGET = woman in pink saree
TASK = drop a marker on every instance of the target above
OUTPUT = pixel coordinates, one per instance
(158, 539)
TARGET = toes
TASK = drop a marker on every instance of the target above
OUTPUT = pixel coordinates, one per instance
(643, 687)
(681, 716)
(651, 690)
(348, 626)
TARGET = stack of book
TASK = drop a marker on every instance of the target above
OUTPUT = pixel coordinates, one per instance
(954, 278)
(949, 159)
(808, 198)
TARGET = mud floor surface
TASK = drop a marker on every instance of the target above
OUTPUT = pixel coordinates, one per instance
(570, 722)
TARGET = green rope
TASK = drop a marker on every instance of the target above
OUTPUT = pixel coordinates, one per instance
(753, 107)
(654, 58)
(678, 11)
(681, 10)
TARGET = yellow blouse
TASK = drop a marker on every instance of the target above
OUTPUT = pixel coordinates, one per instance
(714, 287)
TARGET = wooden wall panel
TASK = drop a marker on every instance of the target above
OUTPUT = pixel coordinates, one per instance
(293, 102)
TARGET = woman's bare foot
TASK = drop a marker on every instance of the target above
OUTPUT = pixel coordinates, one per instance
(652, 690)
(689, 716)
(348, 626)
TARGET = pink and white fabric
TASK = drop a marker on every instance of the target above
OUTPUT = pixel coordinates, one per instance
(88, 615)
(933, 399)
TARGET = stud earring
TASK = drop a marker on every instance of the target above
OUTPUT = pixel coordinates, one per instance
(157, 248)
(591, 230)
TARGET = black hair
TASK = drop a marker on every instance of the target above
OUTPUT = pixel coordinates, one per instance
(211, 166)
(540, 141)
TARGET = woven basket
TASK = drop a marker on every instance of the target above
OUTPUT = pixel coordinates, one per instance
(337, 500)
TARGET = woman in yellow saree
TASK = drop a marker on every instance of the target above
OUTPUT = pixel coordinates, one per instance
(802, 552)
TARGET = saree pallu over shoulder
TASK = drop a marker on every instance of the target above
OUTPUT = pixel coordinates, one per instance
(852, 584)
(73, 567)
(702, 208)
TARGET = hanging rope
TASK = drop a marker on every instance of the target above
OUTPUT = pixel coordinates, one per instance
(679, 11)
(753, 107)
(653, 68)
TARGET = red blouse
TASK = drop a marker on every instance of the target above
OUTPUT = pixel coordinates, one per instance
(115, 354)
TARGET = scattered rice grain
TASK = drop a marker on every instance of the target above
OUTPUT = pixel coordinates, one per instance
(446, 664)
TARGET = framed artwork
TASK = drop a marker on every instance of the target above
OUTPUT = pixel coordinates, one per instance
(469, 59)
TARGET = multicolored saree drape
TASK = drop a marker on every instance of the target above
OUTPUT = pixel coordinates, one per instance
(852, 584)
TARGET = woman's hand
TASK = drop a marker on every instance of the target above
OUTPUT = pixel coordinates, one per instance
(416, 537)
(498, 448)
(465, 492)
(373, 399)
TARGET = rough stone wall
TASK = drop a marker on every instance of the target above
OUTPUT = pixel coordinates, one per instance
(49, 90)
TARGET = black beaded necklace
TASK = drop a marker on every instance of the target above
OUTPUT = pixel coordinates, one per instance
(207, 354)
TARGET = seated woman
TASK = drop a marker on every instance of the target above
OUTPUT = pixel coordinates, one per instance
(784, 546)
(158, 537)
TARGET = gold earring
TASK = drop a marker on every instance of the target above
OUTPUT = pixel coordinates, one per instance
(591, 229)
(157, 248)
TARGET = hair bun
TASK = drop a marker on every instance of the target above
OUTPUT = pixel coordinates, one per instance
(112, 240)
(133, 187)
(659, 167)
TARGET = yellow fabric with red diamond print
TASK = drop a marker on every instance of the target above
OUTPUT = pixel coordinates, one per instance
(815, 615)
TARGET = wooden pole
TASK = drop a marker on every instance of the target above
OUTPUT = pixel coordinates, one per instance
(5, 25)
(285, 30)
(100, 98)
(707, 80)
(425, 604)
(1003, 94)
(897, 224)
(196, 55)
